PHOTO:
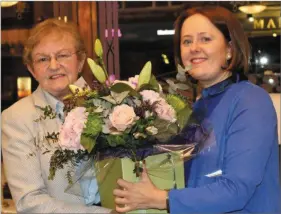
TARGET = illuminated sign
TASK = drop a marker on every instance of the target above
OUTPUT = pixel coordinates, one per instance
(267, 23)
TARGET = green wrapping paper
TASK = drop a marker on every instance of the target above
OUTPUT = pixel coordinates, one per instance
(165, 170)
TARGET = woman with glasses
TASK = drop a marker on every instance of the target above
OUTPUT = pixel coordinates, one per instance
(237, 171)
(54, 54)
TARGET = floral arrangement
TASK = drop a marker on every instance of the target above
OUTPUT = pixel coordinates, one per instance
(117, 116)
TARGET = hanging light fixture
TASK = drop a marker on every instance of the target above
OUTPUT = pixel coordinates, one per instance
(252, 8)
(8, 3)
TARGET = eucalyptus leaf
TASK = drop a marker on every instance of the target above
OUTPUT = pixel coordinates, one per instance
(98, 48)
(171, 84)
(110, 99)
(180, 69)
(181, 77)
(182, 86)
(97, 71)
(145, 75)
(87, 142)
(119, 97)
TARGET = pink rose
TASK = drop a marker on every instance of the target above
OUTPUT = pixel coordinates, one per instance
(150, 96)
(165, 111)
(72, 128)
(122, 117)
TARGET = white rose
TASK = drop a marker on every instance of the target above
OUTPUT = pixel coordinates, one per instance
(122, 117)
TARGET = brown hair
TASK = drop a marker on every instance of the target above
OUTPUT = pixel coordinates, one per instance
(45, 28)
(230, 27)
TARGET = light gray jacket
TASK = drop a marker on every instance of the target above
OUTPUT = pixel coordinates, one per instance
(27, 176)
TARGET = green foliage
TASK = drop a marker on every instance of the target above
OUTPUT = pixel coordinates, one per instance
(87, 142)
(176, 102)
(116, 98)
(97, 70)
(116, 140)
(122, 87)
(93, 125)
(61, 157)
(98, 48)
(183, 116)
(154, 83)
(165, 129)
(145, 75)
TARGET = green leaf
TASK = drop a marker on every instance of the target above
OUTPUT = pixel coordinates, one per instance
(152, 85)
(98, 48)
(119, 97)
(183, 116)
(165, 130)
(110, 99)
(122, 87)
(145, 75)
(97, 71)
(87, 142)
(176, 102)
(115, 140)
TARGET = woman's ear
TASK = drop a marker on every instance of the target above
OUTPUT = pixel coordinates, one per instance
(31, 70)
(229, 51)
(81, 62)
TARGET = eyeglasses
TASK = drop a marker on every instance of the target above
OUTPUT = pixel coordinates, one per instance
(45, 60)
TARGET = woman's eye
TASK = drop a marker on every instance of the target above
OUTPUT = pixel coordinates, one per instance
(206, 39)
(187, 42)
(43, 59)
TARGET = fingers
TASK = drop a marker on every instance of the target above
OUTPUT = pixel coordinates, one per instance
(123, 209)
(121, 201)
(124, 184)
(119, 193)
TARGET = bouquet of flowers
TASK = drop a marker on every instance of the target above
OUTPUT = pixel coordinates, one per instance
(116, 119)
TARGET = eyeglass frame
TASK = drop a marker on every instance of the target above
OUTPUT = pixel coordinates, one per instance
(35, 62)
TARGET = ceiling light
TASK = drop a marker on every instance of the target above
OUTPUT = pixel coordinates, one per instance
(250, 17)
(8, 3)
(252, 9)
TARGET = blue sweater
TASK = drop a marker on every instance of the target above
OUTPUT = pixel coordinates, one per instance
(243, 147)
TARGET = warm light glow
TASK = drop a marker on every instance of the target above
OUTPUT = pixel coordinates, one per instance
(8, 3)
(251, 19)
(274, 34)
(271, 81)
(252, 9)
(24, 86)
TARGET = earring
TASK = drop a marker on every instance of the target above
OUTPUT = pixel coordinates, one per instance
(228, 56)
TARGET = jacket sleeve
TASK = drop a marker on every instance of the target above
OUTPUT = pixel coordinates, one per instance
(24, 174)
(250, 141)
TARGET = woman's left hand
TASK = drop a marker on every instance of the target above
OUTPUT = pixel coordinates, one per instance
(140, 195)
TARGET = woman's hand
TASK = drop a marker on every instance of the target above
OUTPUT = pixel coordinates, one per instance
(140, 195)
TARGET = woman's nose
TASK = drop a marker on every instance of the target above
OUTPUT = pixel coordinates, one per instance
(54, 64)
(194, 47)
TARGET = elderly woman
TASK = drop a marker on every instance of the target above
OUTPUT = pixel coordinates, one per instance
(54, 54)
(238, 172)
